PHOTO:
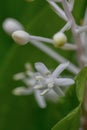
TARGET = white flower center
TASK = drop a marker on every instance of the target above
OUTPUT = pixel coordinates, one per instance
(50, 82)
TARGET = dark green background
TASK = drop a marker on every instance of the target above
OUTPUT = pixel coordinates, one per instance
(23, 113)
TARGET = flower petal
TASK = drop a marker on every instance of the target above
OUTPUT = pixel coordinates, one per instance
(52, 96)
(40, 99)
(41, 68)
(59, 69)
(19, 76)
(22, 91)
(64, 81)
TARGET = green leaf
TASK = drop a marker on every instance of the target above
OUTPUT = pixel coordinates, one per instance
(70, 122)
(71, 119)
(22, 113)
(67, 103)
(68, 109)
(81, 80)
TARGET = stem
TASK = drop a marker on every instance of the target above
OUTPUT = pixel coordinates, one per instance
(76, 36)
(66, 27)
(58, 10)
(43, 39)
(72, 68)
(67, 46)
(80, 51)
(82, 29)
(84, 122)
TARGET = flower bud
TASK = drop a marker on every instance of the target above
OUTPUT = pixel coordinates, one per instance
(10, 25)
(59, 39)
(20, 37)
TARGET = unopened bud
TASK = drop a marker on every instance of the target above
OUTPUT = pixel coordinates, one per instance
(10, 25)
(59, 39)
(20, 37)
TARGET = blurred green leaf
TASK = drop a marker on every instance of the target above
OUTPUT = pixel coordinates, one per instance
(70, 122)
(81, 80)
(22, 113)
(68, 109)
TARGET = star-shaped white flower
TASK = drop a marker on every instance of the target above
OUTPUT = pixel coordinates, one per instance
(48, 81)
(28, 77)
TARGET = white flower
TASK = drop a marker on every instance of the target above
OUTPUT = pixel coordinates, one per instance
(28, 77)
(48, 81)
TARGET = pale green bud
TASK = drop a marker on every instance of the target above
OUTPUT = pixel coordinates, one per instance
(59, 39)
(21, 37)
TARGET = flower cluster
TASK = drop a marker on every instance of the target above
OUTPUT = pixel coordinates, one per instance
(42, 82)
(47, 80)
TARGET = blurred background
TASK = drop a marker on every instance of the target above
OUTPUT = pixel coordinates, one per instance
(22, 112)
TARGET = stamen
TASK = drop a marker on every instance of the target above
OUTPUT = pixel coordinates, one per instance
(44, 92)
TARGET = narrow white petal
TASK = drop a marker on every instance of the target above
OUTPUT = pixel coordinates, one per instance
(40, 99)
(29, 81)
(64, 81)
(52, 96)
(19, 76)
(59, 69)
(41, 68)
(22, 91)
